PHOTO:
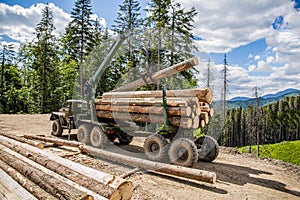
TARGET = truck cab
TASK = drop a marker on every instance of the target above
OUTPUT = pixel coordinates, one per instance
(67, 116)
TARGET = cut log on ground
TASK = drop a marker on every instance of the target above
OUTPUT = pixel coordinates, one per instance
(10, 189)
(39, 145)
(149, 165)
(195, 174)
(187, 64)
(53, 140)
(47, 182)
(104, 184)
(30, 186)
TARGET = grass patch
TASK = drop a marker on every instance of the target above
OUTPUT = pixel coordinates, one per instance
(288, 151)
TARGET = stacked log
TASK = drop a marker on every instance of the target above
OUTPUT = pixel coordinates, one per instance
(187, 108)
(60, 177)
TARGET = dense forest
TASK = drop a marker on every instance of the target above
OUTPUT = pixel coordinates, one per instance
(46, 71)
(263, 125)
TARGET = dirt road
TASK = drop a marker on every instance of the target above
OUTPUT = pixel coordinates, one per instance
(239, 176)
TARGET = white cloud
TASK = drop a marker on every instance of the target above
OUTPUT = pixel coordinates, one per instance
(19, 23)
(270, 59)
(257, 57)
(251, 68)
(227, 24)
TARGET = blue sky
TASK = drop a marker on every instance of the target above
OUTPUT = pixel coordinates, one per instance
(261, 38)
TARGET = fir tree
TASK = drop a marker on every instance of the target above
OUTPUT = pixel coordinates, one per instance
(79, 39)
(45, 60)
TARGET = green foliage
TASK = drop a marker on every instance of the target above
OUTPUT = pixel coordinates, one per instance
(49, 70)
(288, 151)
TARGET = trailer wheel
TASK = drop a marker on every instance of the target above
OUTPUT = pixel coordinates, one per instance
(183, 152)
(83, 134)
(124, 138)
(57, 129)
(156, 147)
(98, 137)
(208, 148)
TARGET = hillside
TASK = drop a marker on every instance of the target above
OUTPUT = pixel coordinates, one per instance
(244, 102)
(288, 151)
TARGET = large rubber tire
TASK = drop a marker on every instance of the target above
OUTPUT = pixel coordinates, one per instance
(156, 148)
(98, 138)
(183, 152)
(83, 134)
(57, 129)
(124, 138)
(208, 148)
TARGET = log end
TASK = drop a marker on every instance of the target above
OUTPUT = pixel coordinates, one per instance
(194, 61)
(124, 189)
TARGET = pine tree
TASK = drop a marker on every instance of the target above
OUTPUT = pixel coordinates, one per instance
(7, 55)
(128, 17)
(45, 60)
(79, 39)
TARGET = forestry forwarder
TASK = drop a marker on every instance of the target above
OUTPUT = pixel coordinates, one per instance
(170, 144)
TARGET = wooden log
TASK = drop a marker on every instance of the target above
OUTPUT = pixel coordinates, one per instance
(196, 122)
(45, 181)
(30, 186)
(187, 64)
(178, 111)
(203, 95)
(184, 122)
(149, 165)
(53, 140)
(142, 102)
(205, 117)
(190, 173)
(10, 189)
(39, 145)
(92, 195)
(106, 185)
(202, 123)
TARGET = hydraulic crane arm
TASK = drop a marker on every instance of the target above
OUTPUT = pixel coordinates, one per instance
(105, 63)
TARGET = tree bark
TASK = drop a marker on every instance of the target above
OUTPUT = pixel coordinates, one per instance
(39, 145)
(45, 181)
(178, 111)
(203, 95)
(191, 173)
(10, 189)
(30, 186)
(104, 184)
(184, 122)
(187, 64)
(142, 101)
(53, 140)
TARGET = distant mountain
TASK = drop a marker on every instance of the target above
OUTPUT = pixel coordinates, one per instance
(244, 102)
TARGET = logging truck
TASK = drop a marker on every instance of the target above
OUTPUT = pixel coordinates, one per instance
(113, 116)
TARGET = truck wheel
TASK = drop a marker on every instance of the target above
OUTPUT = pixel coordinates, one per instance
(57, 129)
(208, 148)
(156, 147)
(83, 134)
(124, 138)
(98, 137)
(183, 152)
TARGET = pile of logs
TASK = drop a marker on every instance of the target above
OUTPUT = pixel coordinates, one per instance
(48, 176)
(187, 108)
